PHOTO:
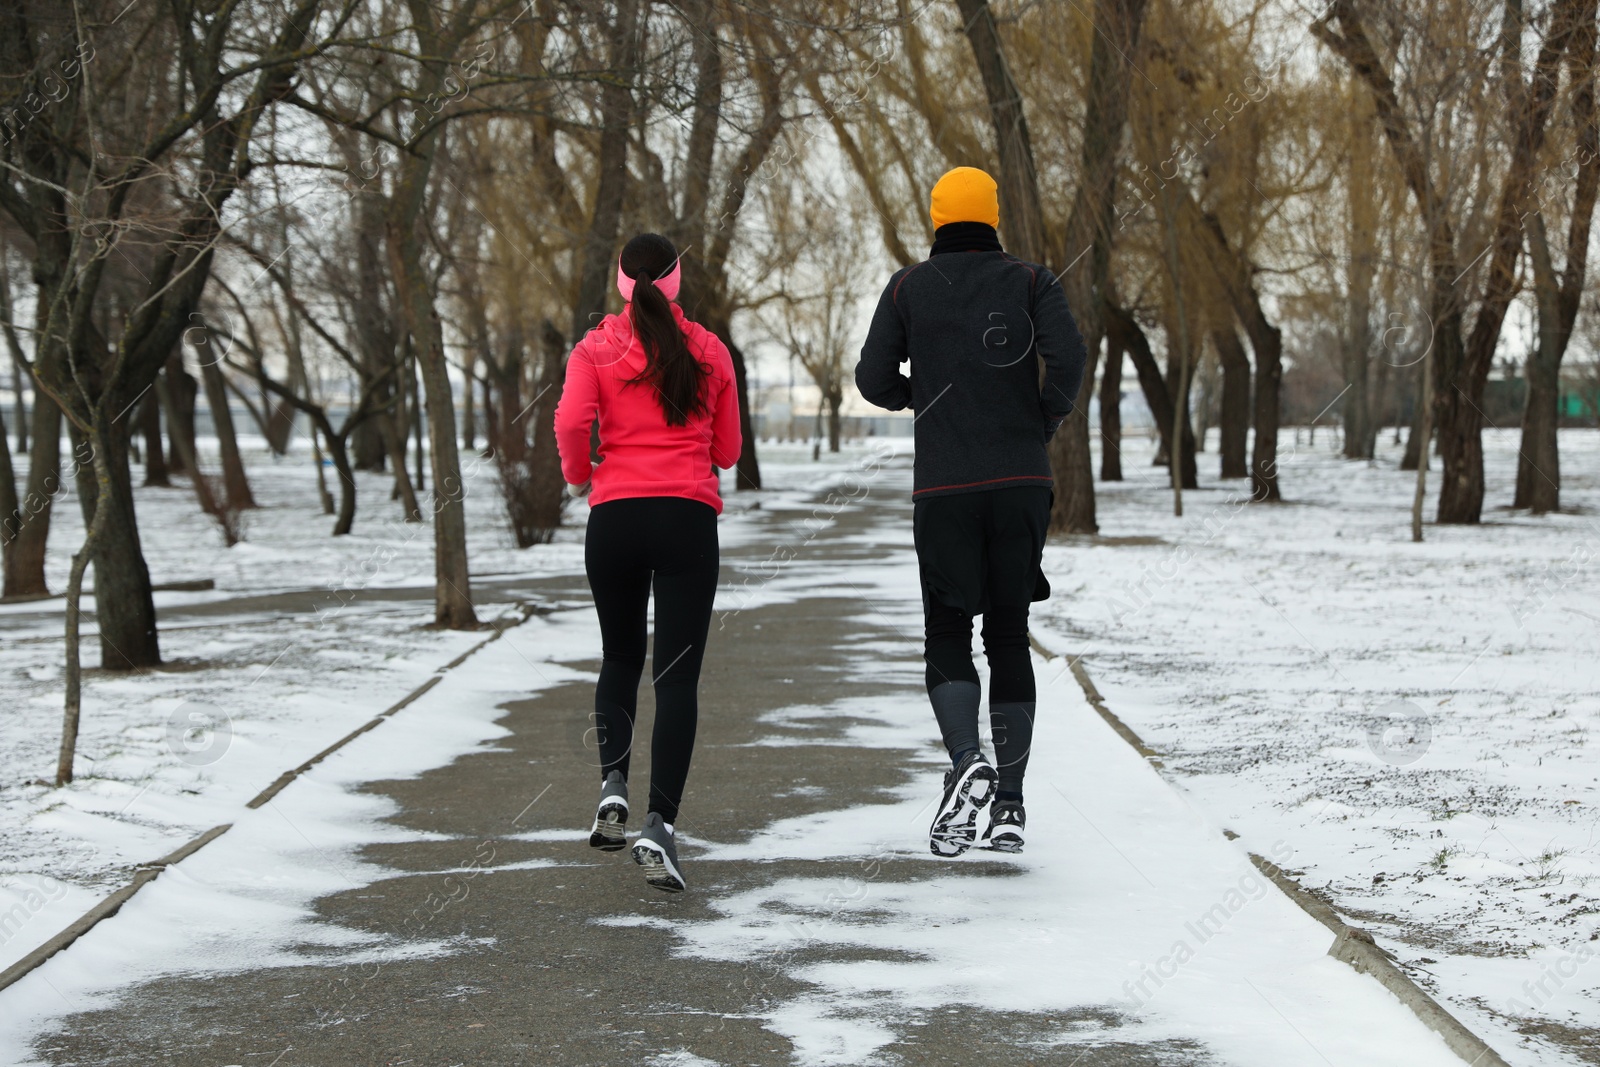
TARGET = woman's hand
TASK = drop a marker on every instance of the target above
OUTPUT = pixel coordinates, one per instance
(577, 491)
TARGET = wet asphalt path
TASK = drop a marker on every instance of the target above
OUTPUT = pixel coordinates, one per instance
(538, 977)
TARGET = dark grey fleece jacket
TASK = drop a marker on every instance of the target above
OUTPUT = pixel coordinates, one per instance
(975, 326)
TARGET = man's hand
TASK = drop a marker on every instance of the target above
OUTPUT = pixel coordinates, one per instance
(1051, 426)
(577, 491)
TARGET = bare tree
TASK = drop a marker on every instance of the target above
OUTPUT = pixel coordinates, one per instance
(1085, 255)
(1557, 294)
(817, 296)
(1461, 359)
(80, 189)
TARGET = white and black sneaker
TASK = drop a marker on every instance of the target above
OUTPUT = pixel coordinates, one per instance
(968, 788)
(611, 818)
(1006, 823)
(658, 855)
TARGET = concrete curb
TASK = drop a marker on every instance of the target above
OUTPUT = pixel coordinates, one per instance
(1356, 947)
(1351, 944)
(527, 611)
(145, 873)
(194, 585)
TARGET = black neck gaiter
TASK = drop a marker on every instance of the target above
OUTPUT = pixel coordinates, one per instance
(965, 237)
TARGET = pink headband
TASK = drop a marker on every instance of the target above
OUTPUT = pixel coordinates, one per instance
(668, 284)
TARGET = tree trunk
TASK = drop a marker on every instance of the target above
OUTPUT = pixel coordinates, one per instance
(1460, 363)
(1180, 350)
(180, 415)
(1269, 382)
(509, 440)
(1206, 375)
(94, 532)
(1236, 275)
(1125, 332)
(29, 530)
(1457, 415)
(204, 491)
(1021, 216)
(1179, 359)
(596, 272)
(452, 585)
(235, 482)
(1187, 458)
(378, 327)
(124, 606)
(1359, 436)
(148, 419)
(1539, 460)
(417, 420)
(322, 477)
(549, 485)
(1382, 403)
(9, 501)
(19, 410)
(1086, 250)
(748, 471)
(406, 235)
(1111, 413)
(1234, 418)
(1413, 453)
(453, 588)
(1071, 460)
(395, 428)
(834, 400)
(340, 453)
(369, 445)
(598, 266)
(1086, 253)
(704, 292)
(469, 415)
(278, 425)
(1421, 434)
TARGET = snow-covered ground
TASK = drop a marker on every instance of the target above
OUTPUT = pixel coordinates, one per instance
(245, 694)
(1409, 722)
(1412, 720)
(1140, 927)
(1128, 901)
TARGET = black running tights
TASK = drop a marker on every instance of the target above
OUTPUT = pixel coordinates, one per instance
(669, 543)
(948, 651)
(1011, 685)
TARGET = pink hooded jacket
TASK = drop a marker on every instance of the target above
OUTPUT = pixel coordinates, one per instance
(641, 455)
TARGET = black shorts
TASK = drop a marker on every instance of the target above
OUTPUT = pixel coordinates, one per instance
(977, 549)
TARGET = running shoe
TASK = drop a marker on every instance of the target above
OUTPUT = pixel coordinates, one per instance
(611, 818)
(1006, 823)
(658, 855)
(968, 788)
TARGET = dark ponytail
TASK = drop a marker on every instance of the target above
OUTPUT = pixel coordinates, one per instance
(669, 366)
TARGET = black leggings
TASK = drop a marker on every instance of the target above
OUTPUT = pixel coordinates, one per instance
(948, 650)
(670, 542)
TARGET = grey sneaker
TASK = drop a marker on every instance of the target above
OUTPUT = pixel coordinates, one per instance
(968, 788)
(611, 819)
(1006, 822)
(656, 853)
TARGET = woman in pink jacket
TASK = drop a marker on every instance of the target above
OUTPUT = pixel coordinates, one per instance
(662, 388)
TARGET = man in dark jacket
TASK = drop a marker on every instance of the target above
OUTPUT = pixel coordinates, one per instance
(976, 324)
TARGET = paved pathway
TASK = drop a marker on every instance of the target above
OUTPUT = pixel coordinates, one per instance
(454, 916)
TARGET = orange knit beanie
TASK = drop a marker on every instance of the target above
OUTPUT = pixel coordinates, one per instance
(965, 194)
